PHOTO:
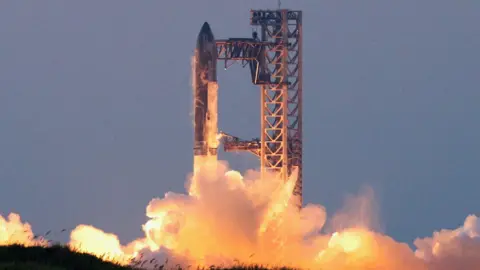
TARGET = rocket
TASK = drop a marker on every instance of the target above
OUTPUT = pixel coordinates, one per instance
(205, 97)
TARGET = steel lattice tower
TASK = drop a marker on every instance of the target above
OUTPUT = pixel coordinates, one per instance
(281, 99)
(275, 60)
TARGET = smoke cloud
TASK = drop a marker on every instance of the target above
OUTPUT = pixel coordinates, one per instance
(452, 249)
(14, 231)
(229, 218)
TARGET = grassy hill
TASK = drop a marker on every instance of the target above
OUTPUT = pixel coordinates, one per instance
(17, 257)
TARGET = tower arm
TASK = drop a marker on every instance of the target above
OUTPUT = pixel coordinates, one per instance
(249, 51)
(235, 144)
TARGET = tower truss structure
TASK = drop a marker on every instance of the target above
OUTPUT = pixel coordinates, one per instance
(275, 61)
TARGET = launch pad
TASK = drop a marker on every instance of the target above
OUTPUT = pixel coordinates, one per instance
(274, 57)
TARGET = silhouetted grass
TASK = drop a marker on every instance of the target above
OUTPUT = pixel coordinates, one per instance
(28, 266)
(57, 257)
(50, 258)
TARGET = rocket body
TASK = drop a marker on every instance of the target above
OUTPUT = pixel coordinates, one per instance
(205, 97)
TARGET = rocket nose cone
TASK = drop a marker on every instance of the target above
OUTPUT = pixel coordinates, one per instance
(205, 28)
(205, 33)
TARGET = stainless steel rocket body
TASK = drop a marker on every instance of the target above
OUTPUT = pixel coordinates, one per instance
(205, 94)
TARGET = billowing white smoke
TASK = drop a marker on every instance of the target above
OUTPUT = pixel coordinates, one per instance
(232, 217)
(217, 225)
(452, 249)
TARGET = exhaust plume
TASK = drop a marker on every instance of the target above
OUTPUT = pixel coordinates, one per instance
(232, 218)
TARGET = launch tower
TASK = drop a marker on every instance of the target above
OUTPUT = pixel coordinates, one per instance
(275, 61)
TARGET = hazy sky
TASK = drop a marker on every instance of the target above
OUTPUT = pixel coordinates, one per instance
(95, 105)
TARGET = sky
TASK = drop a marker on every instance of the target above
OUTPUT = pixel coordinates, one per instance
(96, 99)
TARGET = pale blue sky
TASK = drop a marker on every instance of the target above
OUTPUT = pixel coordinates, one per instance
(95, 99)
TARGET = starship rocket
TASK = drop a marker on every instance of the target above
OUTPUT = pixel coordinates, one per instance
(205, 97)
